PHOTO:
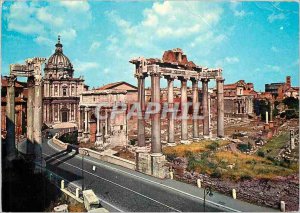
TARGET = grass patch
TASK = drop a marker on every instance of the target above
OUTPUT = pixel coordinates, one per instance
(273, 146)
(183, 150)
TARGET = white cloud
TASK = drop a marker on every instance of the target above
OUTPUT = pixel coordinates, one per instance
(274, 49)
(84, 66)
(43, 40)
(281, 28)
(94, 46)
(273, 17)
(76, 5)
(273, 67)
(235, 8)
(46, 20)
(227, 60)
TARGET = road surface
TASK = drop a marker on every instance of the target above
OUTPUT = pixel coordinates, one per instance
(121, 189)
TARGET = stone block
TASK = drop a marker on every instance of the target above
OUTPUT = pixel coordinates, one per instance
(91, 201)
(159, 168)
(143, 162)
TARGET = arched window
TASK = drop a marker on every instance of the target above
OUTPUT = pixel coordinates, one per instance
(64, 92)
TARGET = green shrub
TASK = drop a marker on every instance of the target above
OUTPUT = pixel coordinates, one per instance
(243, 147)
(246, 177)
(261, 154)
(215, 175)
(213, 146)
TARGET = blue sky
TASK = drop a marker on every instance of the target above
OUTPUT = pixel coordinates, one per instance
(255, 41)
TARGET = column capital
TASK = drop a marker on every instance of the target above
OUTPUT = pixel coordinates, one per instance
(194, 79)
(155, 74)
(204, 80)
(184, 78)
(11, 80)
(170, 77)
(220, 79)
(140, 76)
(38, 79)
(87, 109)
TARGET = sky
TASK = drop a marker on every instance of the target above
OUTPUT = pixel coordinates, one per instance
(254, 41)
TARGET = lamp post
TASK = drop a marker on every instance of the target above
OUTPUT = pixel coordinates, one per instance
(207, 191)
(84, 153)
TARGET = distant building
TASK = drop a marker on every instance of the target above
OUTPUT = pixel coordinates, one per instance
(111, 131)
(238, 99)
(61, 89)
(131, 90)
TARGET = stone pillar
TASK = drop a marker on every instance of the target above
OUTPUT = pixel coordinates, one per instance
(220, 107)
(195, 102)
(86, 122)
(141, 100)
(98, 134)
(292, 139)
(271, 111)
(10, 120)
(38, 121)
(171, 125)
(267, 117)
(30, 116)
(205, 107)
(80, 121)
(184, 111)
(155, 121)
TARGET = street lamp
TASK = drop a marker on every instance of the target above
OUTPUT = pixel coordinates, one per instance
(207, 191)
(84, 153)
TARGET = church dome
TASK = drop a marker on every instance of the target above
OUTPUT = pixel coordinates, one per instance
(58, 59)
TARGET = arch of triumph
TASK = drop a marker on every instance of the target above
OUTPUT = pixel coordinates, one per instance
(174, 65)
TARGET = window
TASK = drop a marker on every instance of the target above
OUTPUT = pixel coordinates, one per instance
(55, 90)
(64, 92)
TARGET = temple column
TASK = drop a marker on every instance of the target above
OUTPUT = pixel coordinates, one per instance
(98, 134)
(86, 123)
(195, 109)
(220, 106)
(38, 120)
(155, 121)
(184, 111)
(10, 119)
(141, 100)
(80, 122)
(30, 116)
(171, 125)
(205, 107)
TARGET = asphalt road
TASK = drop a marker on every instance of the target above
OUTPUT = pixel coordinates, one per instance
(124, 190)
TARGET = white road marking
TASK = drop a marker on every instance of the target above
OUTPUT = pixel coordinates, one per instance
(153, 182)
(116, 184)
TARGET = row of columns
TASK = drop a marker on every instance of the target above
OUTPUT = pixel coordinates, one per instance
(155, 97)
(84, 120)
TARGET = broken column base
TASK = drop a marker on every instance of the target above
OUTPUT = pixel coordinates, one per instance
(196, 139)
(185, 142)
(151, 164)
(171, 144)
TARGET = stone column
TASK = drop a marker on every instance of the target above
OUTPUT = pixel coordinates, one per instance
(267, 117)
(30, 116)
(10, 119)
(205, 107)
(98, 134)
(195, 102)
(155, 121)
(141, 100)
(292, 139)
(171, 125)
(220, 107)
(184, 111)
(80, 122)
(271, 110)
(38, 121)
(86, 122)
